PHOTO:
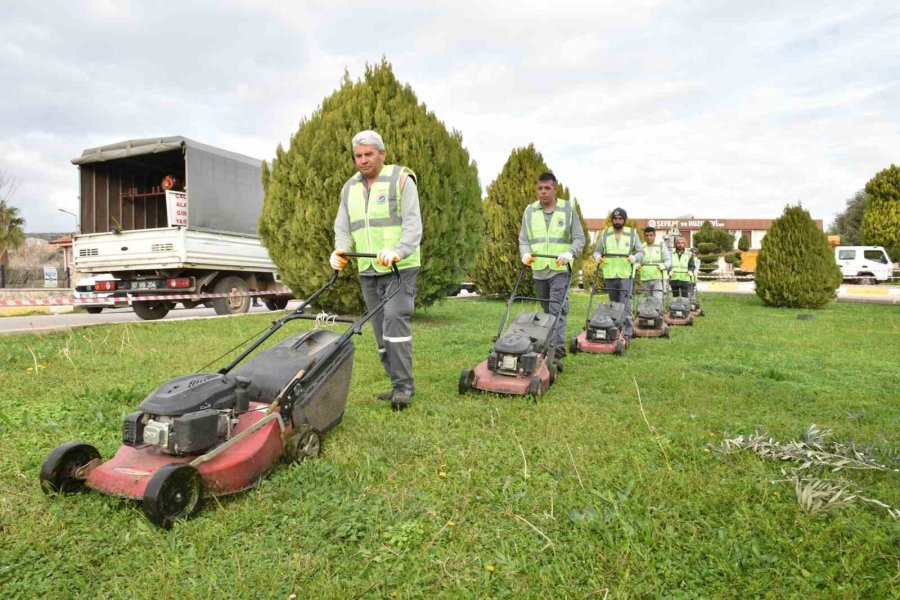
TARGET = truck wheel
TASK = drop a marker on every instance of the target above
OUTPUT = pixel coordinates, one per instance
(151, 311)
(276, 303)
(234, 304)
(94, 310)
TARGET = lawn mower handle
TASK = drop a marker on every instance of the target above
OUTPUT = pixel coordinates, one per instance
(513, 297)
(297, 313)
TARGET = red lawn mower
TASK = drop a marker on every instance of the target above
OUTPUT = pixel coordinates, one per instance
(650, 314)
(523, 359)
(212, 434)
(680, 311)
(604, 329)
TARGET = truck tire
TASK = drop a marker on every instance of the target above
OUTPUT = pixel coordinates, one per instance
(94, 310)
(276, 303)
(151, 311)
(234, 305)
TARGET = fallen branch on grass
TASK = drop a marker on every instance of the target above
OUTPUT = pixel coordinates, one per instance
(811, 451)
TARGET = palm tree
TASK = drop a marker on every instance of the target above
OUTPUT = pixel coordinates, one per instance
(12, 234)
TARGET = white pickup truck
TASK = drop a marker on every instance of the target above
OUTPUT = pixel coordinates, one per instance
(170, 216)
(865, 264)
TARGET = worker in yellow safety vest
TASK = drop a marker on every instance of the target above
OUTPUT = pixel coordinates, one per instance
(379, 214)
(551, 226)
(655, 264)
(683, 266)
(618, 250)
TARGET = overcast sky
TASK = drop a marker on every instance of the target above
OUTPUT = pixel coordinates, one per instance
(710, 108)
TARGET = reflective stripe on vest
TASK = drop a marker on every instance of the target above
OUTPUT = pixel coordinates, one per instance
(653, 256)
(680, 264)
(552, 240)
(375, 221)
(616, 253)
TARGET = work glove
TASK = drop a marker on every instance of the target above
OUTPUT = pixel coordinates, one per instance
(528, 259)
(563, 259)
(661, 267)
(337, 260)
(631, 259)
(387, 257)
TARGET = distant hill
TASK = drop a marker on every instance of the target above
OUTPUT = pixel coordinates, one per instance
(48, 236)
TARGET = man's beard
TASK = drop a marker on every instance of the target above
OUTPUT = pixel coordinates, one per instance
(618, 225)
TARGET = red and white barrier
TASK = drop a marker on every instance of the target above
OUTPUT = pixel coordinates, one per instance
(128, 298)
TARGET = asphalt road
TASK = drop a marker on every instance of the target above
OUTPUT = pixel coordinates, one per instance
(66, 321)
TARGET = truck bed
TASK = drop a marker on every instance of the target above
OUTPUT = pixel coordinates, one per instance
(169, 248)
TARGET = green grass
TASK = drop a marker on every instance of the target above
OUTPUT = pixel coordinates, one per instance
(481, 496)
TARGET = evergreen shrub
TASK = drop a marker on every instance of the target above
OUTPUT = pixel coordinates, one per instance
(303, 185)
(796, 267)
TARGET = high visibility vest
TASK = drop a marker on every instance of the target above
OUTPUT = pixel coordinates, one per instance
(680, 266)
(552, 240)
(653, 256)
(615, 258)
(376, 224)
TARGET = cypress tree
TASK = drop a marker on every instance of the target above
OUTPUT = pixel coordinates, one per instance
(847, 223)
(497, 265)
(881, 219)
(743, 243)
(303, 186)
(796, 266)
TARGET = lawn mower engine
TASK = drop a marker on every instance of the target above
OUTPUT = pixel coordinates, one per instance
(606, 322)
(187, 415)
(193, 413)
(680, 308)
(650, 312)
(518, 350)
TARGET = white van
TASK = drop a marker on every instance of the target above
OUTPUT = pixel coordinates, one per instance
(867, 264)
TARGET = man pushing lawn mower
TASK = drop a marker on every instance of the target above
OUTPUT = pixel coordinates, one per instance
(551, 227)
(379, 212)
(618, 250)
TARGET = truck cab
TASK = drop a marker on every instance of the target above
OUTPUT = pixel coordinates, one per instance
(865, 264)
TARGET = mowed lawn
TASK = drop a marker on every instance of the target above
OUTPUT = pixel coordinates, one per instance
(579, 495)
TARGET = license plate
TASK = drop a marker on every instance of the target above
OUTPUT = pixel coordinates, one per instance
(145, 285)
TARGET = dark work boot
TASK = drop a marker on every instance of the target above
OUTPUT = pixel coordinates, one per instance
(401, 399)
(388, 395)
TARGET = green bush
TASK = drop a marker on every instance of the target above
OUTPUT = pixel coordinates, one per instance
(707, 248)
(498, 262)
(743, 243)
(721, 239)
(796, 266)
(881, 219)
(303, 186)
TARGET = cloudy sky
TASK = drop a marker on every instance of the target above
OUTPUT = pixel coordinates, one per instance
(710, 108)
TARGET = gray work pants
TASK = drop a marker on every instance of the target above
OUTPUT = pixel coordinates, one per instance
(393, 331)
(555, 291)
(681, 289)
(653, 287)
(619, 290)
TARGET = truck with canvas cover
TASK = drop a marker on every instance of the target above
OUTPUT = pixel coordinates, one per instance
(171, 216)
